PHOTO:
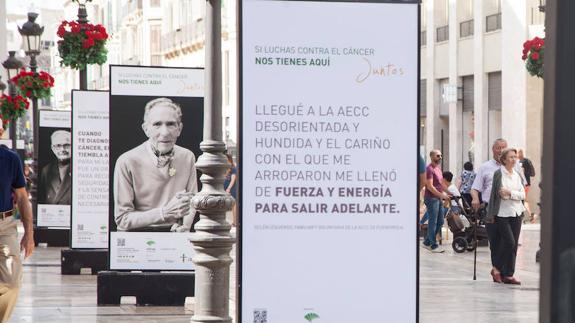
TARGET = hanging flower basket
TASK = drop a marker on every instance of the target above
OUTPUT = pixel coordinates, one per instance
(533, 51)
(31, 84)
(12, 108)
(82, 44)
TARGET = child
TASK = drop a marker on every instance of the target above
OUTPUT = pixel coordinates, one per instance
(452, 190)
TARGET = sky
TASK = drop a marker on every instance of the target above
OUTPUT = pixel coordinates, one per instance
(24, 6)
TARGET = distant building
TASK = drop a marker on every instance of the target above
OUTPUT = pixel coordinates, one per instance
(474, 85)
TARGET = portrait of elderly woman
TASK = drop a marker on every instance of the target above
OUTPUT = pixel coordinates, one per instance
(55, 180)
(154, 182)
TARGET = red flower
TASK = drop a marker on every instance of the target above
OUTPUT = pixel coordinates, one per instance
(524, 57)
(88, 43)
(28, 93)
(535, 56)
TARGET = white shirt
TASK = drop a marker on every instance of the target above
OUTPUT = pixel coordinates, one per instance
(484, 179)
(513, 206)
(453, 191)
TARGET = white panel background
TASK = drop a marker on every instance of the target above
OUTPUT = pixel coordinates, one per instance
(344, 276)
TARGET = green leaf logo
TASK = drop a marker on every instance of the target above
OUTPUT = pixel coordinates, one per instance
(311, 316)
(151, 243)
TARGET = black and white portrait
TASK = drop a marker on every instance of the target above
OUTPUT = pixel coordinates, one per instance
(55, 178)
(154, 180)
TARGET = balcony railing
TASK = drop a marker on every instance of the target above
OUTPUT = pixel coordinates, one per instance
(184, 36)
(131, 7)
(466, 28)
(493, 22)
(442, 34)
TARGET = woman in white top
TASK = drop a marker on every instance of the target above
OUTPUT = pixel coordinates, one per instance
(508, 220)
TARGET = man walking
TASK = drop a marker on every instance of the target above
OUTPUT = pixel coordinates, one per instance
(12, 188)
(482, 185)
(433, 195)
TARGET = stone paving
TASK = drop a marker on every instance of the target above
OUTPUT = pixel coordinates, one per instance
(447, 291)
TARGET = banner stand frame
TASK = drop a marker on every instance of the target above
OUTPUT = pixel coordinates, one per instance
(149, 288)
(53, 237)
(74, 259)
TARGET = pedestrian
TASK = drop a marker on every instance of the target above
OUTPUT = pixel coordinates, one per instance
(528, 172)
(466, 181)
(12, 189)
(506, 209)
(434, 193)
(481, 191)
(231, 185)
(421, 171)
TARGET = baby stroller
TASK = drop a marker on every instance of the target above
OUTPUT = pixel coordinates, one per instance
(466, 226)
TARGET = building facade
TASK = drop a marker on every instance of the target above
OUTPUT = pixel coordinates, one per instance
(474, 86)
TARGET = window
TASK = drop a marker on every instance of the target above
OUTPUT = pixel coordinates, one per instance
(156, 45)
(494, 91)
(493, 22)
(466, 28)
(226, 71)
(423, 38)
(422, 98)
(442, 34)
(468, 93)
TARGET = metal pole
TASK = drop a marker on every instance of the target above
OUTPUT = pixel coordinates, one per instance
(13, 122)
(83, 19)
(212, 241)
(36, 135)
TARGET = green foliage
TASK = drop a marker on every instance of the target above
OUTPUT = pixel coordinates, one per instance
(82, 44)
(311, 316)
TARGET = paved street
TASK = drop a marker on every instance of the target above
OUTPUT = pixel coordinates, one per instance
(448, 293)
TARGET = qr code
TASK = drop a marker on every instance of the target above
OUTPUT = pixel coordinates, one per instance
(260, 316)
(121, 242)
(80, 227)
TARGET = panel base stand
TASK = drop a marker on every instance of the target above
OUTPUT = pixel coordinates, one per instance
(53, 237)
(149, 288)
(73, 260)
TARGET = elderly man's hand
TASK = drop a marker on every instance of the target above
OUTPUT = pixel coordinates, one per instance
(177, 207)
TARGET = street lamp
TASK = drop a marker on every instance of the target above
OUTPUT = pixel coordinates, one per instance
(83, 19)
(31, 33)
(212, 240)
(542, 5)
(12, 66)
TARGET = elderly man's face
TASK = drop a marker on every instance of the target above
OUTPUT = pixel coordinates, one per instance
(61, 146)
(162, 128)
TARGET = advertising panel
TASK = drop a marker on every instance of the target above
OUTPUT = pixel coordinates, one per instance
(156, 126)
(90, 183)
(55, 172)
(329, 110)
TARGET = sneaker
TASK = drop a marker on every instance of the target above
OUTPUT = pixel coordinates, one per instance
(424, 246)
(437, 249)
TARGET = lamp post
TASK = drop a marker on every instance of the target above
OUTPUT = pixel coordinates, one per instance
(212, 241)
(12, 66)
(542, 5)
(31, 33)
(83, 19)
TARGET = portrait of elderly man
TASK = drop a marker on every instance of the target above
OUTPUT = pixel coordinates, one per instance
(55, 177)
(154, 182)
